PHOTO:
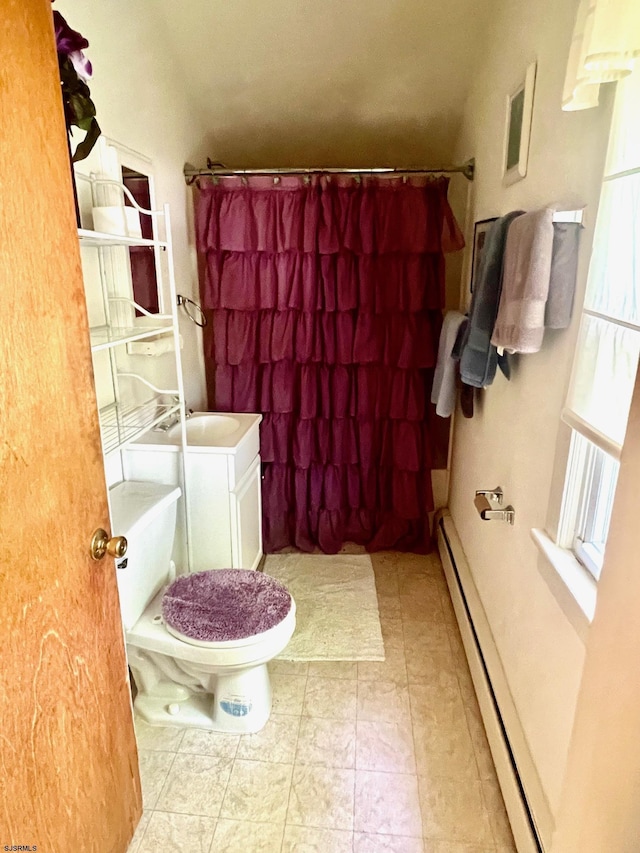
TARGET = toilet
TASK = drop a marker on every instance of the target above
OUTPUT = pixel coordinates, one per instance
(198, 645)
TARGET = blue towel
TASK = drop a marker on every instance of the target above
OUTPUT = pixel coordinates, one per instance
(479, 357)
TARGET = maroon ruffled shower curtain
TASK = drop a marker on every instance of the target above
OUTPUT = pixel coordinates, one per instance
(327, 295)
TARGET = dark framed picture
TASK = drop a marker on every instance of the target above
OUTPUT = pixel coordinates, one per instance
(480, 230)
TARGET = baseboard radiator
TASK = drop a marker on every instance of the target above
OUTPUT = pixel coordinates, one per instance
(482, 658)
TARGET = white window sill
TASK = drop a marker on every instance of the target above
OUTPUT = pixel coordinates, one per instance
(573, 587)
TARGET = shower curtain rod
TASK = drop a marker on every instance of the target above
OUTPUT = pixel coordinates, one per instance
(220, 170)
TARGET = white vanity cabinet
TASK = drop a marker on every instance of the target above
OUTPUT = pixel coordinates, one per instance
(224, 511)
(246, 519)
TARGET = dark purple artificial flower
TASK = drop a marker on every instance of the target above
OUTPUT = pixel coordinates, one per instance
(71, 43)
(75, 70)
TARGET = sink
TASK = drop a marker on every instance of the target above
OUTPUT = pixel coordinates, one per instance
(208, 430)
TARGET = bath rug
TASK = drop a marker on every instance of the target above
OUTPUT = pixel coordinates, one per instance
(336, 606)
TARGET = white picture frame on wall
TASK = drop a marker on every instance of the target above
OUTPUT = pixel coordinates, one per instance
(519, 111)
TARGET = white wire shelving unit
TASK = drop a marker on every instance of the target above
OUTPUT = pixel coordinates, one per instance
(136, 404)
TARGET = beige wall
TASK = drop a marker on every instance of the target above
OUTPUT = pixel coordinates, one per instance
(142, 103)
(512, 439)
(335, 82)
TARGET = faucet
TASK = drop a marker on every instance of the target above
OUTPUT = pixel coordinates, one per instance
(174, 419)
(165, 425)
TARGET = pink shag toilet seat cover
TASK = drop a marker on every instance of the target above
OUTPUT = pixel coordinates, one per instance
(224, 604)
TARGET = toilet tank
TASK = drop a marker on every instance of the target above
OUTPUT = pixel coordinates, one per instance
(145, 513)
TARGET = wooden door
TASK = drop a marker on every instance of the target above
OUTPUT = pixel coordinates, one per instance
(68, 761)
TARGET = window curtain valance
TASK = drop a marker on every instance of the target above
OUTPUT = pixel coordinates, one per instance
(326, 297)
(604, 48)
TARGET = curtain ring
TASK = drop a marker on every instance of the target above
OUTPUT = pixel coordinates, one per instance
(192, 312)
(276, 180)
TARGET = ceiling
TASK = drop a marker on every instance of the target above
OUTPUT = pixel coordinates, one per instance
(326, 82)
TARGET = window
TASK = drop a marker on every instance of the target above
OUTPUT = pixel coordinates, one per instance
(608, 347)
(588, 511)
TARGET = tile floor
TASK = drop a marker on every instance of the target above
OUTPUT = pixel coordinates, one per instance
(356, 758)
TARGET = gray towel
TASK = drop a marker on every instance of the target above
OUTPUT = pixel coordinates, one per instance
(479, 357)
(528, 250)
(443, 393)
(562, 282)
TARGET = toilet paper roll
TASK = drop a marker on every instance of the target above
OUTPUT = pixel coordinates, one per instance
(117, 219)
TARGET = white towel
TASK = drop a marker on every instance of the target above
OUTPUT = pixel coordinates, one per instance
(443, 392)
(519, 326)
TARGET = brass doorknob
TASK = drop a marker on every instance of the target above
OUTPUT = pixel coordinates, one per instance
(101, 544)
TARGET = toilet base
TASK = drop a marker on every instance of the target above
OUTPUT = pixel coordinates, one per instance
(240, 704)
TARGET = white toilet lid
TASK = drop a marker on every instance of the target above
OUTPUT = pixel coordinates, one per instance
(224, 604)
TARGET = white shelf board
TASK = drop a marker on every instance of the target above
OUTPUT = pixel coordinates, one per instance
(97, 238)
(121, 424)
(104, 337)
